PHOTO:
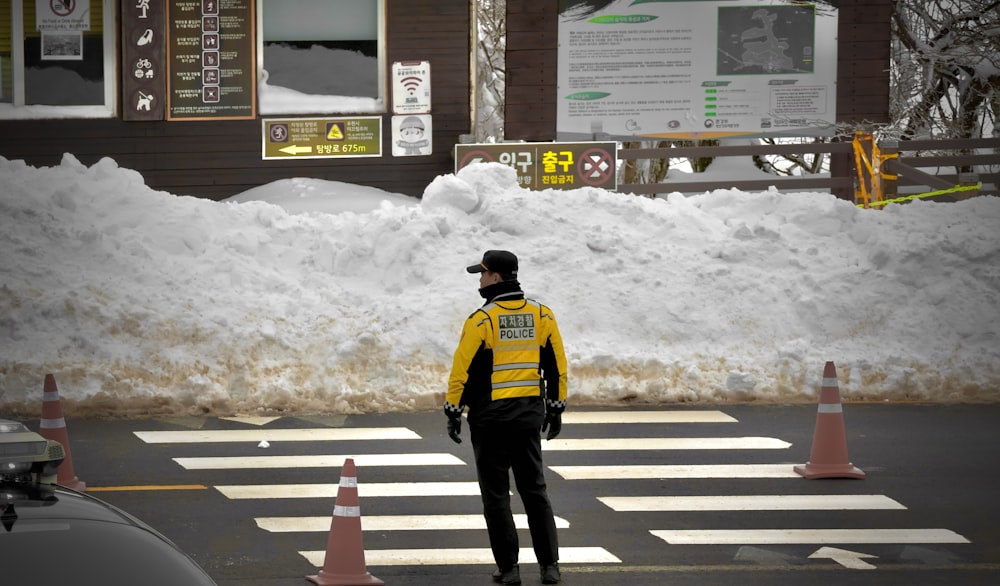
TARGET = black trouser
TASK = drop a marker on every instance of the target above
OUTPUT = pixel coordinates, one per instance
(499, 450)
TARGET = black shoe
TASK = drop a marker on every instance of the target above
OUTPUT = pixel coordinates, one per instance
(550, 574)
(511, 576)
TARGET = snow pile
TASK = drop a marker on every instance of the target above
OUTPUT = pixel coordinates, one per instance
(347, 299)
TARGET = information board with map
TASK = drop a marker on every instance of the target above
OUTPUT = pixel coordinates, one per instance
(634, 69)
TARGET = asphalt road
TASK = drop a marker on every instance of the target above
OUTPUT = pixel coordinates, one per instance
(727, 511)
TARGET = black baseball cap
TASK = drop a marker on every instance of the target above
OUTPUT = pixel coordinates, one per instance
(498, 261)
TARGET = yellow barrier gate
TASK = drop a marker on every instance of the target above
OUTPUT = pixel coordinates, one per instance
(874, 183)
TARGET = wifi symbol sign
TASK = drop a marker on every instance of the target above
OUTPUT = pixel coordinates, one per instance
(411, 87)
(411, 84)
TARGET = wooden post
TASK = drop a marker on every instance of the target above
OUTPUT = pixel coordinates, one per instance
(965, 179)
(842, 165)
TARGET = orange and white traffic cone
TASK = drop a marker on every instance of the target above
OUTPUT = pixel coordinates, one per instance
(344, 564)
(53, 427)
(829, 450)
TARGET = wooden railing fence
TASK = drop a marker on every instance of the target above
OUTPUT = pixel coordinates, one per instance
(891, 168)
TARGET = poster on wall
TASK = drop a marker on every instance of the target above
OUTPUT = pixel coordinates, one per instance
(660, 69)
(62, 25)
(62, 46)
(212, 66)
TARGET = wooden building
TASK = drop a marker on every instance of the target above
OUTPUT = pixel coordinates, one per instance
(173, 89)
(82, 85)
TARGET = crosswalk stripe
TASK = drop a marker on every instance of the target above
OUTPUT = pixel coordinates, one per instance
(144, 487)
(326, 461)
(391, 523)
(810, 536)
(276, 435)
(665, 443)
(467, 556)
(629, 471)
(365, 490)
(771, 502)
(580, 417)
(568, 555)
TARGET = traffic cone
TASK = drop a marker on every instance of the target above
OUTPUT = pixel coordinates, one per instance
(829, 450)
(53, 427)
(344, 563)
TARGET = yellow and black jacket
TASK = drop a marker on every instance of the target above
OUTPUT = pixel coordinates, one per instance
(509, 358)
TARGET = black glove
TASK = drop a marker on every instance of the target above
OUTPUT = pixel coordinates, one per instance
(455, 429)
(553, 422)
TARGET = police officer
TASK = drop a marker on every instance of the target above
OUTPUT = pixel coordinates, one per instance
(510, 371)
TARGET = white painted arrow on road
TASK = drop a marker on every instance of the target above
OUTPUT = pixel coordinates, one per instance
(258, 421)
(849, 559)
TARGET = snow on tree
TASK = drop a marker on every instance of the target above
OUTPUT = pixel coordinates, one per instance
(945, 68)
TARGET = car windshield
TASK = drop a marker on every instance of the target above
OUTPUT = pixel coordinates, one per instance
(70, 551)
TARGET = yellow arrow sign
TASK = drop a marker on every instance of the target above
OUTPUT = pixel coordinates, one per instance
(321, 138)
(296, 150)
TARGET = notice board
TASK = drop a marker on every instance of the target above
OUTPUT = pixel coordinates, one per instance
(210, 45)
(697, 69)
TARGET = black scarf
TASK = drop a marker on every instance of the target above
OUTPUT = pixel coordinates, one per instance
(491, 292)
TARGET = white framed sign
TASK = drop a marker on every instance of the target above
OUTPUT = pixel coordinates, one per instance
(62, 15)
(635, 69)
(412, 135)
(411, 87)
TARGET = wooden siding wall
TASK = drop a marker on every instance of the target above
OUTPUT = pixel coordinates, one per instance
(532, 48)
(217, 159)
(532, 61)
(863, 50)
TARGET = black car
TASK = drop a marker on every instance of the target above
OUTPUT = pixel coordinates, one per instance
(53, 535)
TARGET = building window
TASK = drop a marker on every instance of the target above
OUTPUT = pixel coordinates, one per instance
(56, 60)
(321, 56)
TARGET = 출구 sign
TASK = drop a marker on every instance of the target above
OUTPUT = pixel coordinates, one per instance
(548, 165)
